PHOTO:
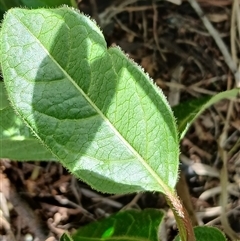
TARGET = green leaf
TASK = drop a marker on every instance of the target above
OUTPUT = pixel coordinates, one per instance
(95, 109)
(24, 150)
(47, 3)
(66, 237)
(7, 4)
(205, 233)
(3, 97)
(188, 111)
(124, 226)
(16, 141)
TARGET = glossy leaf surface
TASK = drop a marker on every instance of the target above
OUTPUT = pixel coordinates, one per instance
(95, 109)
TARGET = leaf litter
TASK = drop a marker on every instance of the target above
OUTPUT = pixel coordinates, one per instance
(175, 48)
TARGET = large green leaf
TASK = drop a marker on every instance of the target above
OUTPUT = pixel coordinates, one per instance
(188, 111)
(125, 226)
(95, 109)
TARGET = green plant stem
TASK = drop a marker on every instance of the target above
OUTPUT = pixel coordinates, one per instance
(184, 195)
(183, 220)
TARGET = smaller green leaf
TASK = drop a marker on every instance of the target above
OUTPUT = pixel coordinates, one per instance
(47, 3)
(16, 140)
(66, 237)
(7, 4)
(3, 97)
(73, 3)
(124, 226)
(188, 111)
(24, 150)
(205, 233)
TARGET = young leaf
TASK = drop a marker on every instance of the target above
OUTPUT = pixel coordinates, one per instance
(188, 111)
(95, 109)
(124, 226)
(205, 233)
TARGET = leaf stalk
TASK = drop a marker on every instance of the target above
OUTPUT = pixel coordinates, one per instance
(183, 220)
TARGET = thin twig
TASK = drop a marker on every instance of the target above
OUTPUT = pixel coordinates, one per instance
(218, 219)
(155, 34)
(133, 202)
(237, 14)
(94, 10)
(64, 201)
(233, 32)
(224, 175)
(177, 2)
(215, 35)
(106, 16)
(184, 194)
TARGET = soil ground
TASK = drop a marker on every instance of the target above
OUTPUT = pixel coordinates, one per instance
(172, 44)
